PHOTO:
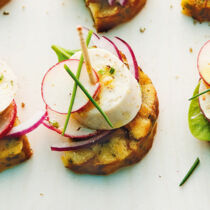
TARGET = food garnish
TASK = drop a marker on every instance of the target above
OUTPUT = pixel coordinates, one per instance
(193, 167)
(88, 95)
(75, 84)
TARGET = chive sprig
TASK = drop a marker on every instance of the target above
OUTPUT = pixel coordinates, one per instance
(75, 84)
(88, 95)
(193, 167)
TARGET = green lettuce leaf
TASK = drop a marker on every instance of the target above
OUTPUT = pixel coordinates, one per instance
(198, 124)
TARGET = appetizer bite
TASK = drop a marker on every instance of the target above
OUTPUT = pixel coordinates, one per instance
(112, 117)
(199, 111)
(110, 13)
(197, 9)
(14, 145)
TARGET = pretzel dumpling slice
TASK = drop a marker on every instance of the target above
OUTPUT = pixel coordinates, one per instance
(106, 17)
(126, 145)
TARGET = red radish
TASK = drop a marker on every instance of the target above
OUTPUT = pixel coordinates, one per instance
(204, 100)
(29, 125)
(57, 87)
(125, 48)
(203, 62)
(7, 119)
(69, 146)
(56, 122)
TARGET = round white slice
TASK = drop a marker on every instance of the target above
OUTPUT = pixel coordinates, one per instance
(119, 96)
(8, 86)
(74, 129)
(204, 62)
(57, 87)
(204, 100)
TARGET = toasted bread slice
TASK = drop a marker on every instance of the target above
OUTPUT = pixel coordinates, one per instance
(106, 17)
(14, 151)
(3, 2)
(125, 146)
(198, 9)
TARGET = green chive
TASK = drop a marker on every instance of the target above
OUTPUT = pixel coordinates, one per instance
(195, 164)
(199, 94)
(112, 70)
(88, 95)
(75, 84)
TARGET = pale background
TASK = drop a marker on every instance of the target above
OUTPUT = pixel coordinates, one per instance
(43, 183)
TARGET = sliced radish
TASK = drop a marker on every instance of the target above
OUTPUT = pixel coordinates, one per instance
(125, 48)
(69, 146)
(203, 62)
(57, 87)
(56, 122)
(29, 125)
(204, 100)
(7, 119)
(106, 44)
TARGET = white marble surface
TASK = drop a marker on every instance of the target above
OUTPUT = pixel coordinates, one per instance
(43, 183)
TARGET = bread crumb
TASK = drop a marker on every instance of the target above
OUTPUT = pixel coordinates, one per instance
(23, 105)
(177, 77)
(41, 194)
(171, 6)
(142, 30)
(23, 7)
(5, 13)
(195, 21)
(159, 176)
(191, 50)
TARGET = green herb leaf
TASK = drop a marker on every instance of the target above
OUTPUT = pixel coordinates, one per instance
(88, 95)
(193, 167)
(112, 70)
(198, 124)
(75, 84)
(199, 94)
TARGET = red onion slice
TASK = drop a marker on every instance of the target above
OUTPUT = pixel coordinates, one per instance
(28, 126)
(125, 48)
(69, 146)
(107, 44)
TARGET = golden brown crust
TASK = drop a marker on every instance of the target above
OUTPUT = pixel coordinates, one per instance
(106, 17)
(198, 9)
(14, 151)
(3, 2)
(126, 145)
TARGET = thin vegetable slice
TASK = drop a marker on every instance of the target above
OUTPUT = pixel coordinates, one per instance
(7, 119)
(126, 49)
(57, 88)
(29, 125)
(75, 145)
(74, 129)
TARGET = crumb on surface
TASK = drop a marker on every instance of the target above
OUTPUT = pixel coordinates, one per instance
(23, 7)
(23, 105)
(159, 176)
(142, 30)
(41, 194)
(177, 77)
(5, 13)
(191, 50)
(171, 6)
